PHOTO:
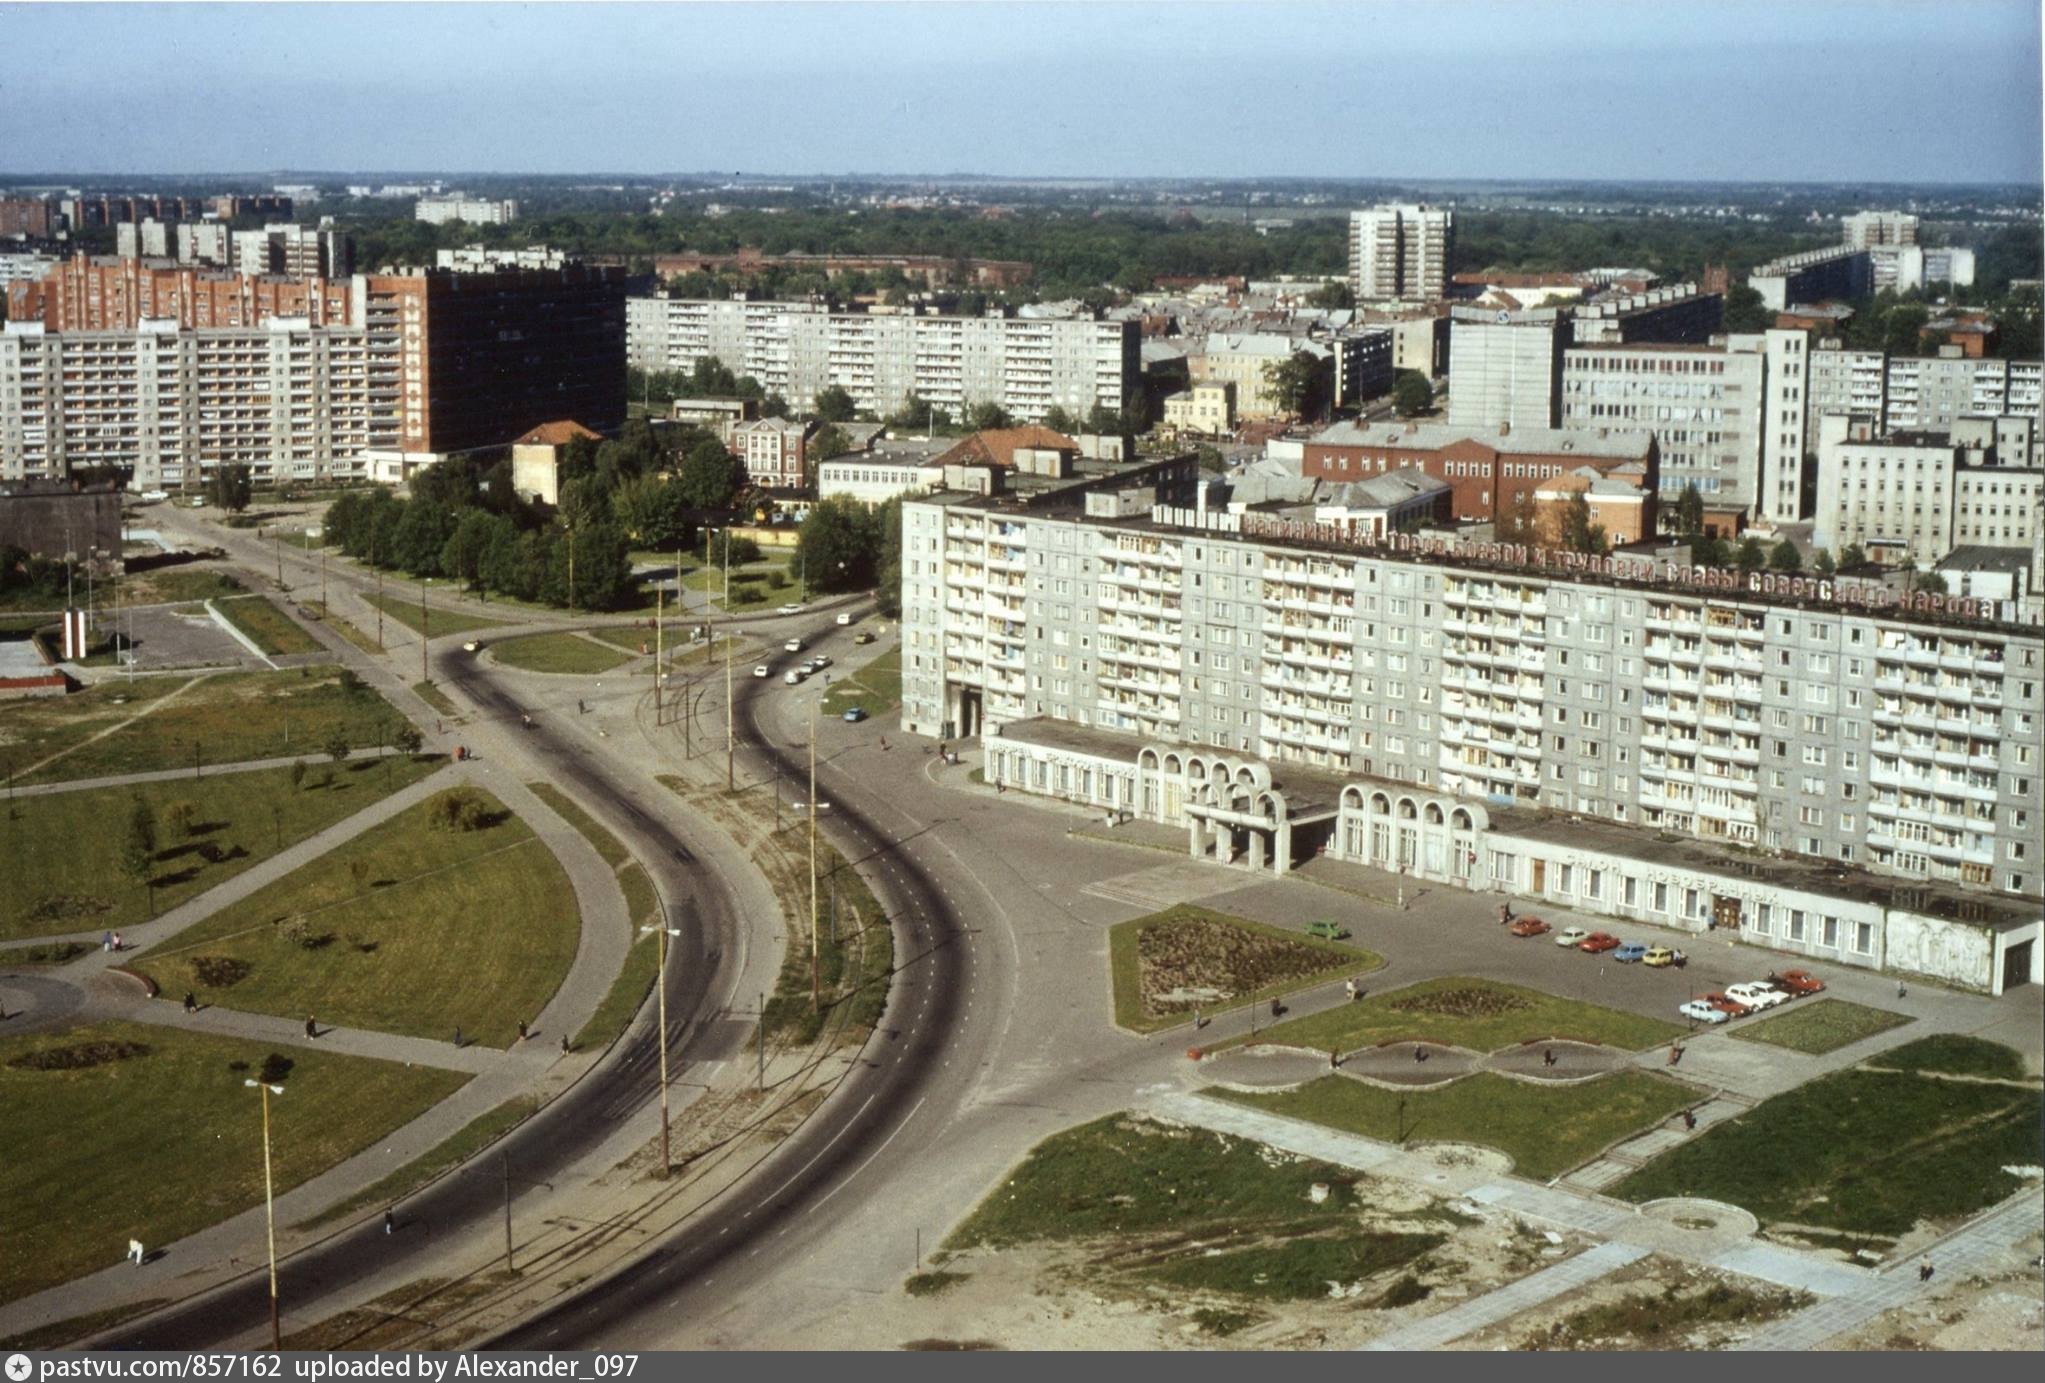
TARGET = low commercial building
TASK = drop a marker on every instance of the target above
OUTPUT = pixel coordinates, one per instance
(887, 470)
(720, 415)
(1375, 508)
(1266, 816)
(1618, 501)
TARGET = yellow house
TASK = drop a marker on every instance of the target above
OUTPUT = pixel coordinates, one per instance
(1208, 408)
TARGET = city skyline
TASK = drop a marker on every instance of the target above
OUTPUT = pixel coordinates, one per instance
(1225, 90)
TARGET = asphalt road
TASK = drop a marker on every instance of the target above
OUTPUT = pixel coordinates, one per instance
(903, 1068)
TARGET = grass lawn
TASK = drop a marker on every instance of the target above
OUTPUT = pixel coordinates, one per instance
(60, 850)
(177, 585)
(479, 1133)
(1867, 1152)
(876, 688)
(407, 928)
(271, 629)
(1190, 1209)
(563, 652)
(229, 716)
(1545, 1129)
(1666, 1319)
(1817, 1028)
(1954, 1055)
(438, 622)
(1482, 1015)
(164, 1139)
(436, 698)
(302, 541)
(364, 641)
(1170, 963)
(642, 906)
(752, 586)
(630, 636)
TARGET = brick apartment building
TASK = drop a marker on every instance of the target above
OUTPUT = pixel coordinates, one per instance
(1488, 471)
(108, 293)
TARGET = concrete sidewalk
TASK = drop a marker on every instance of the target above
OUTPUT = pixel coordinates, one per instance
(165, 775)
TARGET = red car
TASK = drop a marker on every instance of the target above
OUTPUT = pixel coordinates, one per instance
(1597, 942)
(1730, 1007)
(1797, 982)
(1527, 926)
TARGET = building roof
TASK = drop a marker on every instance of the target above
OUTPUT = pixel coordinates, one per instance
(1602, 443)
(1978, 557)
(998, 446)
(1384, 491)
(556, 434)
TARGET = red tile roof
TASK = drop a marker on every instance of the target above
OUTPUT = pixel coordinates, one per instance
(998, 447)
(556, 434)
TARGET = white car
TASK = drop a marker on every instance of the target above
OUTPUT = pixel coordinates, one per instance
(789, 609)
(1569, 936)
(793, 676)
(1699, 1011)
(472, 646)
(1756, 994)
(845, 617)
(762, 670)
(793, 646)
(821, 660)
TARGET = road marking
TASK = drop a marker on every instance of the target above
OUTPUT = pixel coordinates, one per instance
(821, 1151)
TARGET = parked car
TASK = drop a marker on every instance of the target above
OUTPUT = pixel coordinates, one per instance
(1598, 942)
(789, 609)
(1658, 956)
(1571, 936)
(762, 670)
(822, 660)
(1631, 952)
(809, 665)
(793, 646)
(1327, 931)
(1726, 1004)
(473, 646)
(794, 676)
(1697, 1011)
(1528, 926)
(1797, 982)
(855, 715)
(845, 617)
(863, 636)
(1756, 994)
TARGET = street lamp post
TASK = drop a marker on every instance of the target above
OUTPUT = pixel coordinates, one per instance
(663, 932)
(270, 1205)
(815, 998)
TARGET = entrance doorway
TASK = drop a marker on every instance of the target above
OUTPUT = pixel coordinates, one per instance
(1725, 912)
(1540, 876)
(2016, 965)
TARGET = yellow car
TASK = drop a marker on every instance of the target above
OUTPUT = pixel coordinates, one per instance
(1658, 956)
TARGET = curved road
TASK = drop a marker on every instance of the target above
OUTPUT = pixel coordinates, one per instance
(858, 1122)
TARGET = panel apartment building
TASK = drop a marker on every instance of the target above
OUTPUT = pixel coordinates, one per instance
(1028, 365)
(1766, 712)
(1400, 252)
(171, 371)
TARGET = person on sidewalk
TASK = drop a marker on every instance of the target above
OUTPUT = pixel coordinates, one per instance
(457, 1038)
(312, 1028)
(389, 1222)
(1548, 1057)
(119, 945)
(564, 1044)
(191, 1002)
(1924, 1270)
(135, 1254)
(1900, 991)
(106, 942)
(1349, 990)
(1690, 1120)
(523, 1032)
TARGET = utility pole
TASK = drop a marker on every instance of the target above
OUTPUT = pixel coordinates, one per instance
(277, 544)
(504, 1158)
(265, 1090)
(571, 568)
(379, 592)
(730, 732)
(323, 582)
(815, 998)
(763, 1044)
(659, 619)
(660, 981)
(424, 622)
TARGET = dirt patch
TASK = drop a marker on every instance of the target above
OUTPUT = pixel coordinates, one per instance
(1462, 1003)
(66, 907)
(79, 1056)
(220, 972)
(1188, 963)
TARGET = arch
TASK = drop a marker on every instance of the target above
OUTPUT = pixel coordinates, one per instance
(1380, 805)
(1174, 765)
(1432, 814)
(1460, 819)
(1148, 759)
(1350, 799)
(1407, 811)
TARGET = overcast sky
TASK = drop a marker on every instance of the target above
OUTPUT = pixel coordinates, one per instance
(1903, 90)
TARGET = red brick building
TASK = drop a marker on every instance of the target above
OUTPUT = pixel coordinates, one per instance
(87, 293)
(1487, 471)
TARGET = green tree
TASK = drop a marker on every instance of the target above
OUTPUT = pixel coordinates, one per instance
(1687, 520)
(419, 535)
(1785, 557)
(1579, 534)
(138, 849)
(461, 556)
(182, 815)
(839, 546)
(1058, 420)
(988, 417)
(1824, 564)
(1751, 556)
(709, 476)
(1297, 383)
(652, 511)
(834, 404)
(336, 746)
(407, 739)
(1707, 551)
(1744, 310)
(1903, 327)
(232, 487)
(888, 522)
(830, 440)
(1851, 558)
(1333, 296)
(1412, 395)
(298, 773)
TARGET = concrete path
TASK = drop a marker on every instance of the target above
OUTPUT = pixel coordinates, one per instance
(1968, 1250)
(1469, 1317)
(164, 775)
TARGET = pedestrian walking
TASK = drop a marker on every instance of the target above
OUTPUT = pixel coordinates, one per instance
(564, 1044)
(1419, 1054)
(312, 1029)
(1349, 990)
(523, 1033)
(1334, 1060)
(191, 1002)
(106, 942)
(135, 1252)
(1900, 991)
(883, 744)
(457, 1038)
(119, 945)
(1675, 1053)
(1690, 1119)
(1548, 1057)
(389, 1222)
(1924, 1271)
